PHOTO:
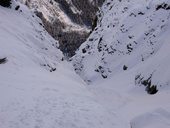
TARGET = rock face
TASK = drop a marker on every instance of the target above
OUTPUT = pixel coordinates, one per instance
(68, 21)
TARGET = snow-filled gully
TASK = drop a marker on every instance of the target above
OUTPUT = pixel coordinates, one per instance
(39, 90)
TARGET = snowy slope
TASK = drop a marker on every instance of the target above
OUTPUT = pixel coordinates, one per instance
(129, 34)
(37, 89)
(128, 53)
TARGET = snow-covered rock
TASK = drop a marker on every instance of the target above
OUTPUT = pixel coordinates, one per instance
(130, 34)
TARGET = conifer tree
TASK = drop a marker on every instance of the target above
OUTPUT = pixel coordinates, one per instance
(5, 3)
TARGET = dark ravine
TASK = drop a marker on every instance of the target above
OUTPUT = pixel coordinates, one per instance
(85, 18)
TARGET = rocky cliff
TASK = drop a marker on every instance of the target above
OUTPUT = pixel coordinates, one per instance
(68, 21)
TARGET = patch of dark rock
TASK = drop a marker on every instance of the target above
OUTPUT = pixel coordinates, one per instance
(132, 14)
(104, 76)
(91, 39)
(96, 70)
(40, 24)
(108, 3)
(141, 13)
(101, 70)
(130, 37)
(150, 88)
(3, 60)
(125, 67)
(83, 50)
(100, 45)
(52, 69)
(129, 47)
(51, 2)
(164, 6)
(17, 7)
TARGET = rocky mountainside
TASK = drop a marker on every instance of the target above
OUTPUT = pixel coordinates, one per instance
(68, 21)
(131, 34)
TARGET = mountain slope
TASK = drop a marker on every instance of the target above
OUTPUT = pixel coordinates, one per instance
(37, 89)
(129, 34)
(40, 90)
(126, 59)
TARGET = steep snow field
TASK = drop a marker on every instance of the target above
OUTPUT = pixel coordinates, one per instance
(40, 90)
(37, 89)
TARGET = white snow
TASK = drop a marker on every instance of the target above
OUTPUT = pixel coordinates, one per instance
(30, 95)
(135, 34)
(33, 97)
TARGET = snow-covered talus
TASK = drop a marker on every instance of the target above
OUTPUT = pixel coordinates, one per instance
(69, 21)
(129, 34)
(37, 89)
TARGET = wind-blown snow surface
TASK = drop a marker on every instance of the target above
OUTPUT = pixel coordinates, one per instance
(129, 47)
(37, 89)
